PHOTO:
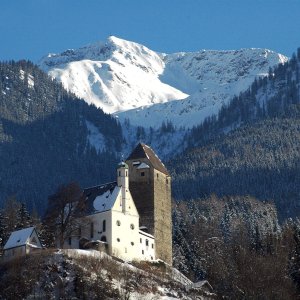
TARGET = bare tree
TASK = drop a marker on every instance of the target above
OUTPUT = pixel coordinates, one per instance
(65, 208)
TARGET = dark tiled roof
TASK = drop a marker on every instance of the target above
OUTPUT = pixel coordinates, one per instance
(144, 151)
(92, 192)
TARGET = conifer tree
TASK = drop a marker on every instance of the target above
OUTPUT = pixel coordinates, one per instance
(24, 219)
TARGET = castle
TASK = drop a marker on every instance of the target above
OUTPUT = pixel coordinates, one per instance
(131, 218)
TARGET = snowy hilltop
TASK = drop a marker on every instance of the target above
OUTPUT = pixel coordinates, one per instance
(144, 86)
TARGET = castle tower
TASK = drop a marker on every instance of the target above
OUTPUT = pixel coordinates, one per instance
(122, 181)
(150, 187)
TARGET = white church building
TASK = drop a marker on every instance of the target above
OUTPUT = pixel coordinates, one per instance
(113, 223)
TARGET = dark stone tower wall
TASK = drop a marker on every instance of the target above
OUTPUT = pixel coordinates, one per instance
(142, 191)
(152, 196)
(163, 216)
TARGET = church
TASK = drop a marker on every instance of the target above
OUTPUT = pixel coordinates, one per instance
(130, 218)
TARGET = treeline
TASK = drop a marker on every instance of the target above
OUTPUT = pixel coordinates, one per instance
(44, 137)
(251, 148)
(268, 97)
(237, 245)
(262, 160)
(15, 216)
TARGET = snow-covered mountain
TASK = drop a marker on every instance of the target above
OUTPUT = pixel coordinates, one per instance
(146, 87)
(116, 75)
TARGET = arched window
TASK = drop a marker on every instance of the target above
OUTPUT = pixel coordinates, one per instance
(103, 226)
(103, 238)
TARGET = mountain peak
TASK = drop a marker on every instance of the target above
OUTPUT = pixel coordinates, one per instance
(119, 76)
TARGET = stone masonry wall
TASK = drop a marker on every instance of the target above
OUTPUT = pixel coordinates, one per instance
(152, 196)
(163, 216)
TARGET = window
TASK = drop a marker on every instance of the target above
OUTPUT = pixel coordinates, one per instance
(157, 175)
(142, 251)
(140, 240)
(70, 241)
(152, 246)
(92, 230)
(103, 226)
(147, 243)
(118, 223)
(126, 173)
(151, 257)
(103, 238)
(132, 226)
(167, 180)
(118, 240)
(142, 173)
(79, 231)
(132, 243)
(119, 173)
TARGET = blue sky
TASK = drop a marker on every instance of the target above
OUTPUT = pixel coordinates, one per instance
(32, 28)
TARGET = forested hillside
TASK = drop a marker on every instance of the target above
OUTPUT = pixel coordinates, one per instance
(45, 137)
(251, 148)
(237, 245)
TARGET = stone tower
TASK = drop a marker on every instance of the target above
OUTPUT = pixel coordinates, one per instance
(150, 187)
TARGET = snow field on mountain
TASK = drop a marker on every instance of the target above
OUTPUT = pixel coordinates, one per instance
(146, 87)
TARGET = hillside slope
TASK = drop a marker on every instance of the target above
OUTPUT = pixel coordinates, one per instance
(80, 274)
(251, 148)
(46, 137)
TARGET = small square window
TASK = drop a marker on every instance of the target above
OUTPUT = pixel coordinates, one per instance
(142, 173)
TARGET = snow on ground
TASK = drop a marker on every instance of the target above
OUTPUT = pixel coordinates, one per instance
(95, 137)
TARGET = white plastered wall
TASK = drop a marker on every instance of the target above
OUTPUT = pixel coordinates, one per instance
(146, 246)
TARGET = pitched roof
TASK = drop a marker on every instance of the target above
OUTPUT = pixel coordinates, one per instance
(144, 151)
(19, 238)
(101, 197)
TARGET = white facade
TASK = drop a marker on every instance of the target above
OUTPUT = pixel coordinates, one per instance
(116, 222)
(147, 245)
(22, 242)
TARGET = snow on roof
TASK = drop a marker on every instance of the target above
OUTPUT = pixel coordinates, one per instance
(18, 238)
(146, 234)
(106, 200)
(143, 166)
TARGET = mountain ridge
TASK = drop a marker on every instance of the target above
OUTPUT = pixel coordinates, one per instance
(133, 82)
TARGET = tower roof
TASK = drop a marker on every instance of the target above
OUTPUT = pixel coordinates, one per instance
(122, 164)
(144, 151)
